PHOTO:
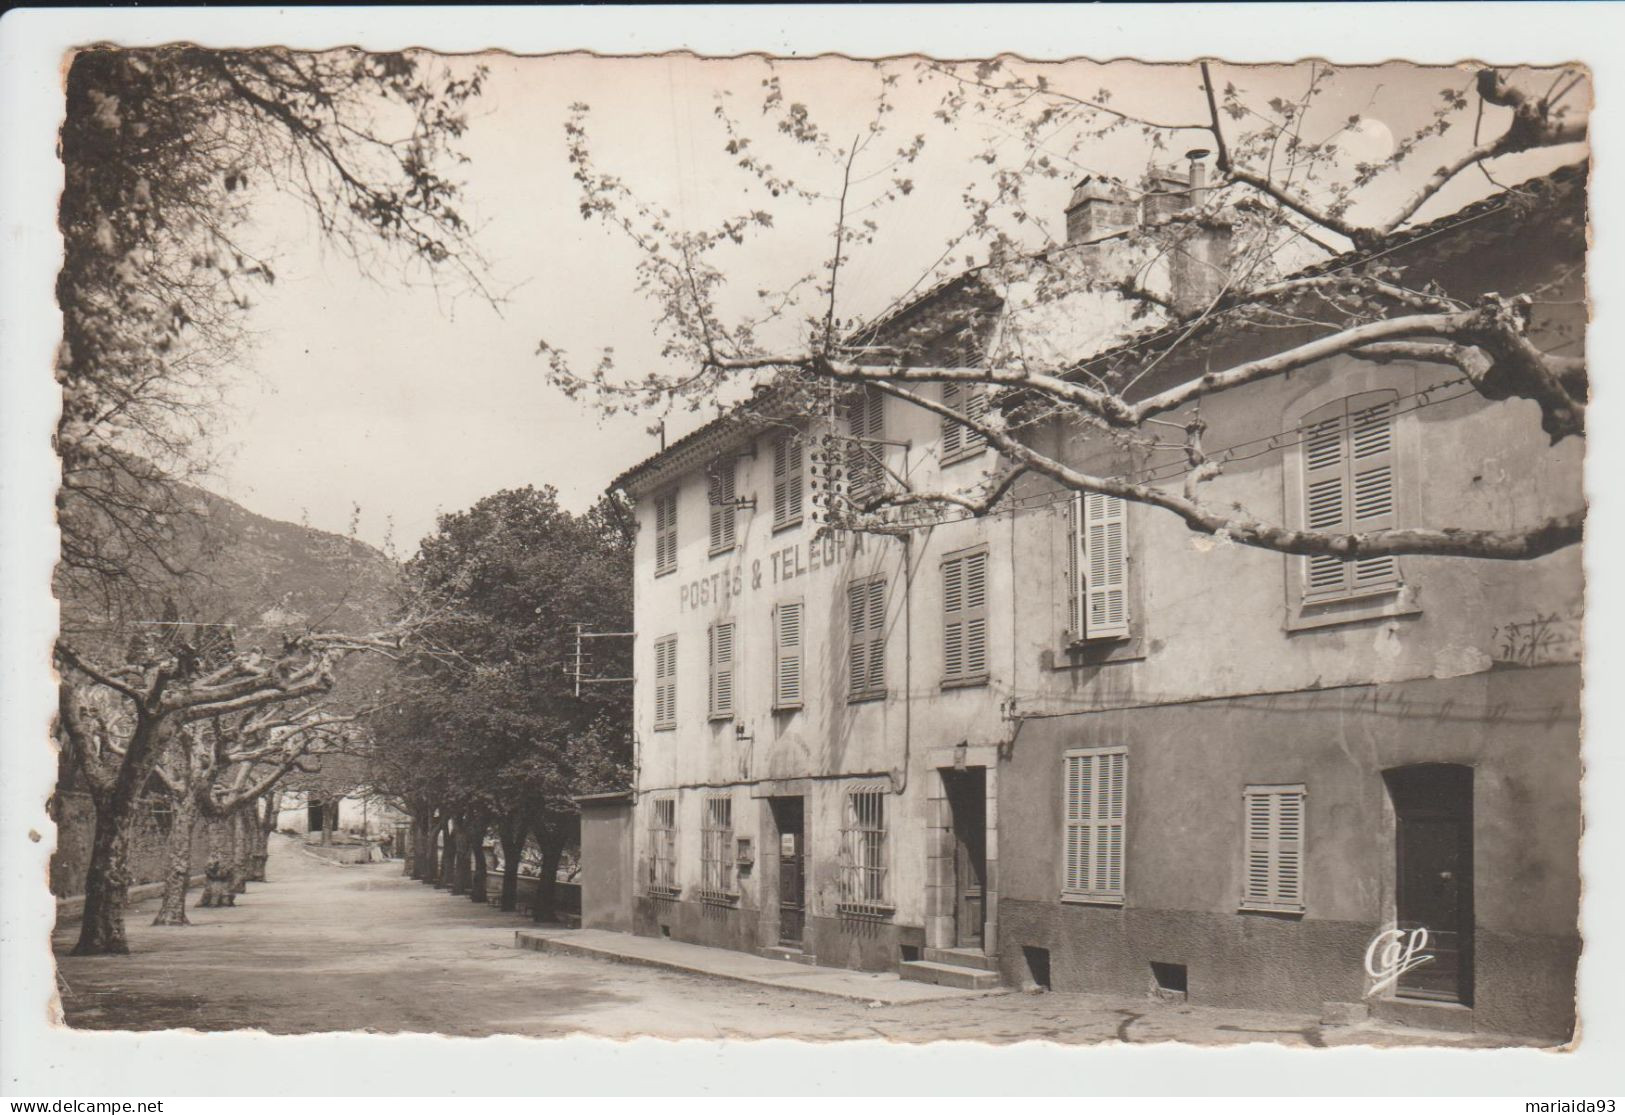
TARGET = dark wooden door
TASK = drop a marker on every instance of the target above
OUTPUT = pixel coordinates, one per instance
(1434, 874)
(790, 819)
(967, 797)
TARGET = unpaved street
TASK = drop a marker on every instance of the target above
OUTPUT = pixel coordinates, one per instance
(326, 948)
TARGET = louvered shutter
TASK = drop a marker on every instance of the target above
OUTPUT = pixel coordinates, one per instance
(666, 682)
(787, 656)
(1272, 878)
(975, 615)
(722, 490)
(975, 400)
(1095, 833)
(964, 605)
(1372, 475)
(787, 479)
(666, 533)
(1350, 486)
(857, 646)
(866, 420)
(953, 434)
(722, 670)
(1080, 772)
(1325, 492)
(877, 635)
(1110, 794)
(1105, 563)
(1074, 568)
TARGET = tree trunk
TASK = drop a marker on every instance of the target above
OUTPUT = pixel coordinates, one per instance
(179, 874)
(330, 820)
(107, 885)
(463, 863)
(423, 848)
(476, 885)
(265, 817)
(513, 847)
(237, 823)
(444, 869)
(546, 888)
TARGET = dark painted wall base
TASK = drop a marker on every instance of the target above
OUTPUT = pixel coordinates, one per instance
(866, 944)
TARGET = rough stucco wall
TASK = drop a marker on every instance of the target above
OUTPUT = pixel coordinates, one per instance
(606, 845)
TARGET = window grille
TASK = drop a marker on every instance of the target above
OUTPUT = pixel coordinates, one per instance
(1097, 568)
(663, 847)
(960, 441)
(865, 882)
(716, 850)
(1096, 786)
(666, 533)
(964, 618)
(721, 490)
(787, 480)
(866, 638)
(721, 698)
(666, 683)
(1272, 877)
(1350, 486)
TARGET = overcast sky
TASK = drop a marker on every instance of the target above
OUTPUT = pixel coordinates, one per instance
(407, 402)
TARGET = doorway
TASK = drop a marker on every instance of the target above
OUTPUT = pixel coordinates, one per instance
(790, 818)
(1433, 875)
(315, 817)
(967, 802)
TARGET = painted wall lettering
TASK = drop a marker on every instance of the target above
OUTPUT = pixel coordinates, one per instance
(785, 564)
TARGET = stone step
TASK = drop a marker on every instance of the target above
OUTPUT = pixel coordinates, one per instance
(948, 975)
(1424, 1014)
(964, 958)
(783, 952)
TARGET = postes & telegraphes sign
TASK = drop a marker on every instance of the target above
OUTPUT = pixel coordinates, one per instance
(799, 559)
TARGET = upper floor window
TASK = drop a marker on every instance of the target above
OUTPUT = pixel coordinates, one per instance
(959, 441)
(866, 638)
(721, 491)
(1350, 485)
(666, 532)
(1096, 786)
(964, 618)
(666, 683)
(1272, 877)
(1097, 568)
(787, 633)
(721, 699)
(787, 479)
(866, 456)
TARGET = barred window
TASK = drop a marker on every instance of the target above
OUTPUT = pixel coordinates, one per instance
(865, 881)
(716, 850)
(663, 846)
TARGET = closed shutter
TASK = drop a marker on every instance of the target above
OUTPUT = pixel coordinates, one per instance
(787, 479)
(866, 421)
(1272, 878)
(666, 533)
(1098, 566)
(1096, 839)
(666, 682)
(877, 635)
(975, 401)
(787, 656)
(953, 434)
(866, 637)
(721, 490)
(1349, 486)
(964, 590)
(722, 670)
(959, 440)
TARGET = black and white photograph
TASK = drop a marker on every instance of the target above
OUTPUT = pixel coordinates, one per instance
(890, 549)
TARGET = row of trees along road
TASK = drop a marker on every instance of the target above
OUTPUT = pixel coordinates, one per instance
(166, 153)
(484, 734)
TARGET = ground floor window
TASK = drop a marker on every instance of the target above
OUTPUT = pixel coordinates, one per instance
(865, 887)
(663, 846)
(1273, 874)
(1096, 786)
(716, 849)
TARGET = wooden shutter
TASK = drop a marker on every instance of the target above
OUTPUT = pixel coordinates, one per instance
(1272, 878)
(722, 670)
(1349, 486)
(787, 479)
(877, 635)
(787, 656)
(866, 636)
(1104, 561)
(1096, 838)
(975, 407)
(953, 434)
(866, 421)
(721, 488)
(964, 604)
(666, 533)
(666, 682)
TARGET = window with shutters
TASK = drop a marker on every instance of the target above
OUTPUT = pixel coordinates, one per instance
(866, 638)
(787, 656)
(1097, 568)
(663, 847)
(666, 683)
(964, 618)
(1096, 785)
(1272, 876)
(665, 533)
(721, 700)
(788, 480)
(716, 850)
(1350, 486)
(865, 882)
(720, 488)
(961, 442)
(866, 456)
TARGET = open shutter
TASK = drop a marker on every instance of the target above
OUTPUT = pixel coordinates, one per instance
(1104, 561)
(1372, 480)
(722, 491)
(1074, 568)
(857, 652)
(952, 432)
(877, 635)
(787, 656)
(722, 670)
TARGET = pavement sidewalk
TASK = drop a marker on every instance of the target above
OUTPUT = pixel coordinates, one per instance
(878, 988)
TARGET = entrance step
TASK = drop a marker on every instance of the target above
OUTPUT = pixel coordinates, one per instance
(1425, 1015)
(948, 975)
(784, 952)
(964, 958)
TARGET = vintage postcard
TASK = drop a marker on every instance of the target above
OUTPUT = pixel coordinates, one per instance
(919, 545)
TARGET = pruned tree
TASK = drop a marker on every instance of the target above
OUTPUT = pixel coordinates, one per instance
(1115, 330)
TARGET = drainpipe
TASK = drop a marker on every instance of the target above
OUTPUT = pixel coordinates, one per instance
(899, 779)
